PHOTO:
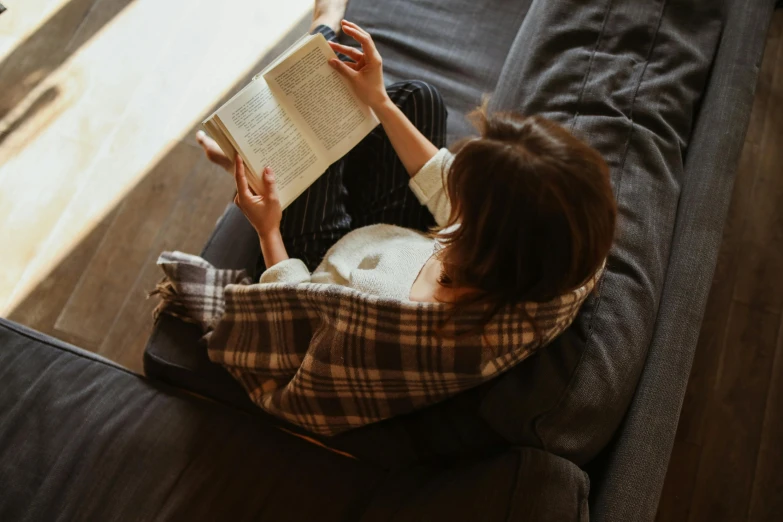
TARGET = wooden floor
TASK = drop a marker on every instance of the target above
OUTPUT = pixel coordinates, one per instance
(727, 463)
(84, 252)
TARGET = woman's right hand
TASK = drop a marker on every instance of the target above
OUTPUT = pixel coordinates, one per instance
(263, 210)
(365, 73)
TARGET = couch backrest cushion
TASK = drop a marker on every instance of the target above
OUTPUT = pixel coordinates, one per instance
(626, 76)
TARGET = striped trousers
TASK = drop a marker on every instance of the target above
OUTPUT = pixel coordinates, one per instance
(369, 185)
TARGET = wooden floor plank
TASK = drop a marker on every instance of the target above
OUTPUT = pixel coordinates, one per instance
(43, 306)
(766, 504)
(764, 88)
(29, 217)
(200, 203)
(94, 304)
(680, 482)
(758, 276)
(736, 413)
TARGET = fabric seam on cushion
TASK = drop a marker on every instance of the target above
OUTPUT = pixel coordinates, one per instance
(609, 6)
(590, 324)
(635, 94)
(64, 347)
(568, 388)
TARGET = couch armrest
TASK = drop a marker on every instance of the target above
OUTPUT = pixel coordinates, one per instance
(175, 353)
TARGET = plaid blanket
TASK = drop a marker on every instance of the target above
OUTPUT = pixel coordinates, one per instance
(329, 358)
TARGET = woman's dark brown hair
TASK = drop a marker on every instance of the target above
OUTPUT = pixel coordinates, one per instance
(535, 209)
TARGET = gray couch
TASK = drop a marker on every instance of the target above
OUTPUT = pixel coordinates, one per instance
(582, 430)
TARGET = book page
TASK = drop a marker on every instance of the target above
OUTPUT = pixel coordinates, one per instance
(322, 100)
(266, 135)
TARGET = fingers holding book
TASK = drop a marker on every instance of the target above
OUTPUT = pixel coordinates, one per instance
(244, 192)
(364, 38)
(263, 210)
(365, 73)
(264, 121)
(354, 54)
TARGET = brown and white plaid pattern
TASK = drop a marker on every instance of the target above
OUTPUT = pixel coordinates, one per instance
(329, 358)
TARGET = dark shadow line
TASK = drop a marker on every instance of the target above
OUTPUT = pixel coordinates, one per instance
(44, 100)
(32, 61)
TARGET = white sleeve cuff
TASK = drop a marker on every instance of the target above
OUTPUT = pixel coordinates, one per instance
(288, 271)
(428, 182)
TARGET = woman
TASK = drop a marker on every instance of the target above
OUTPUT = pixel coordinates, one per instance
(434, 270)
(523, 213)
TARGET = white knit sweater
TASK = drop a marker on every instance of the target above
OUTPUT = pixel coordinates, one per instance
(382, 260)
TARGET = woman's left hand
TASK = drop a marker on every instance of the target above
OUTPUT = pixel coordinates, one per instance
(262, 210)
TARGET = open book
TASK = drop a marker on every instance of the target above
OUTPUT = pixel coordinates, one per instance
(297, 116)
